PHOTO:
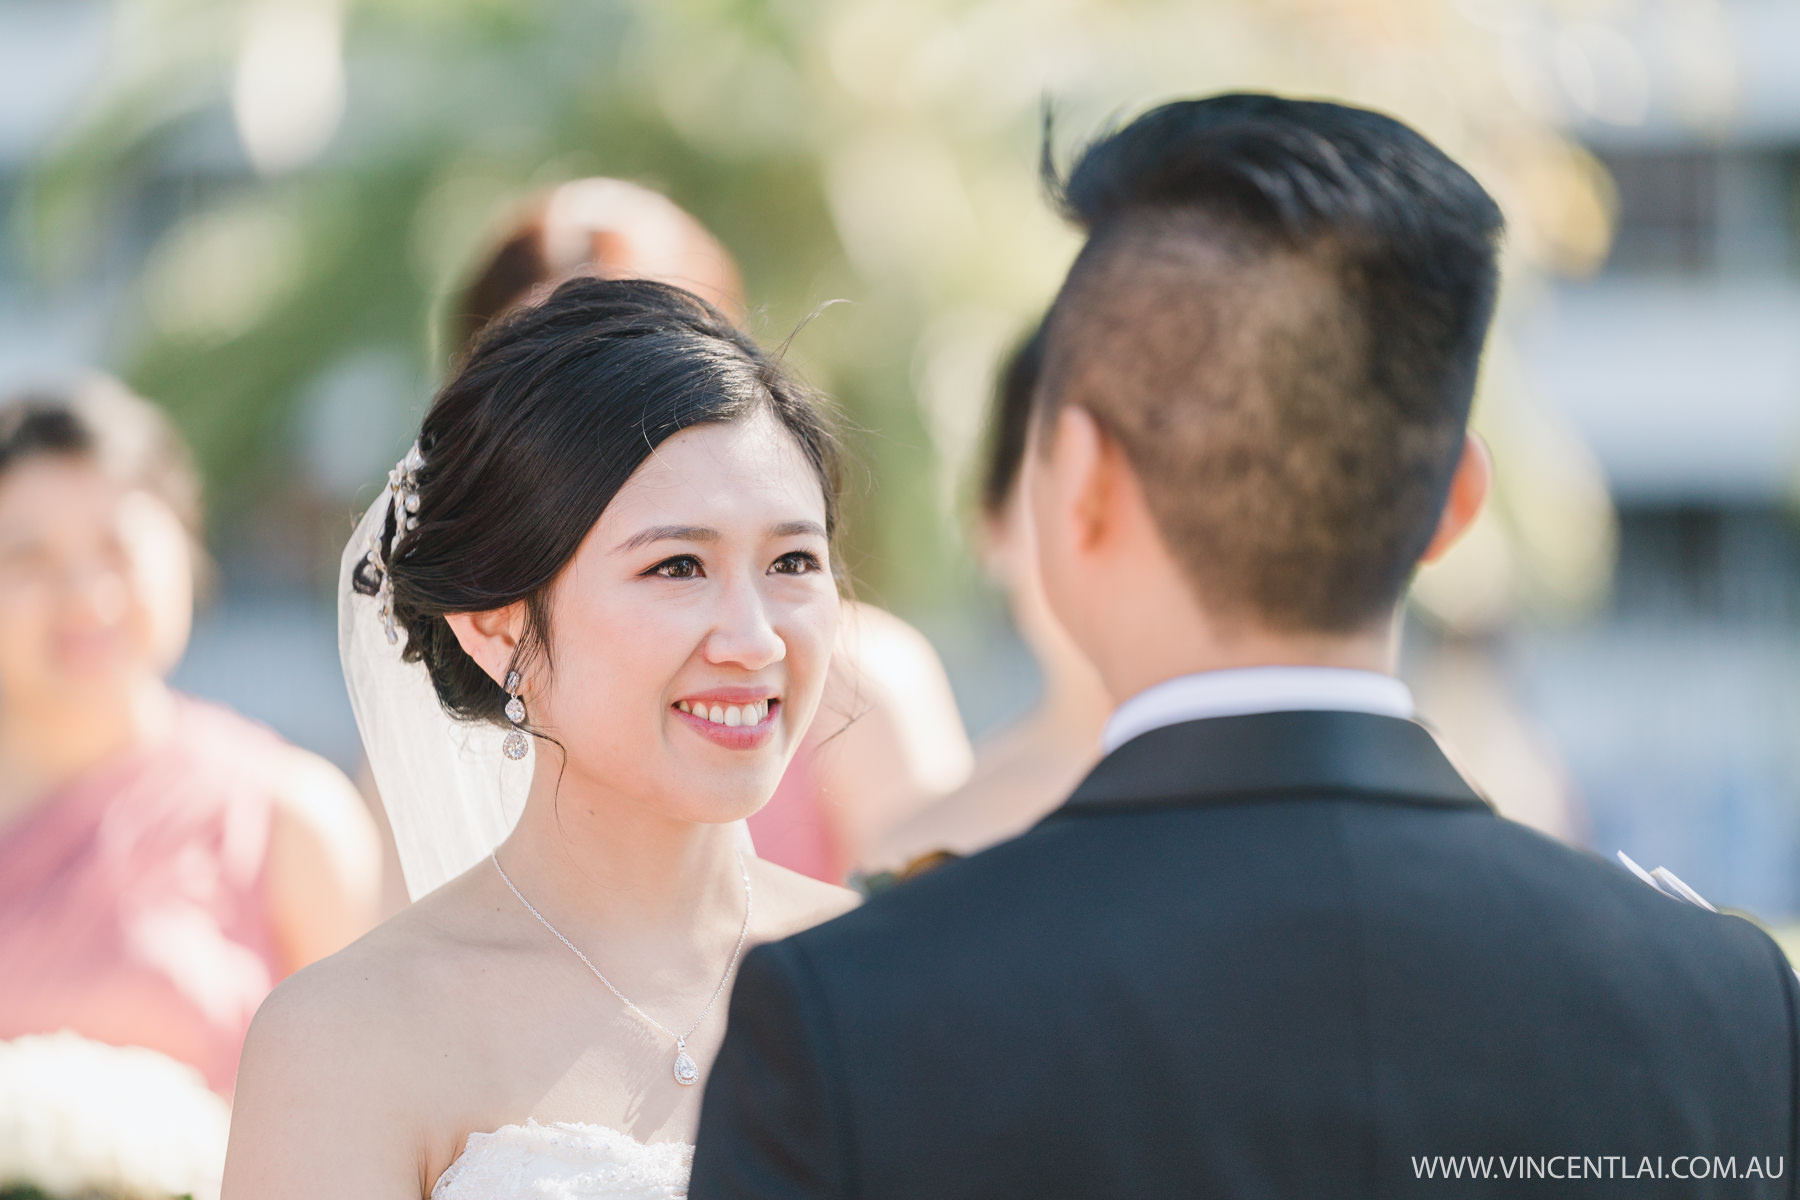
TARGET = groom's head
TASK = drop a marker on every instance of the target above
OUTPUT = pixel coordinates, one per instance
(1268, 346)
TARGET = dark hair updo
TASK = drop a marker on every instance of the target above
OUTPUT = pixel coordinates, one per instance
(551, 412)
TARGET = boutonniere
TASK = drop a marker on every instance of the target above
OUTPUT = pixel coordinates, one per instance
(1670, 885)
(1666, 882)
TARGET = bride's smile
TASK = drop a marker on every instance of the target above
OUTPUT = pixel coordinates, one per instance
(737, 718)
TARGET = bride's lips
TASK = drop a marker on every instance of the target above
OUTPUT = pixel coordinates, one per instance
(755, 709)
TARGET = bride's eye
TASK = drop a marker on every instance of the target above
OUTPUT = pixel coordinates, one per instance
(796, 562)
(682, 566)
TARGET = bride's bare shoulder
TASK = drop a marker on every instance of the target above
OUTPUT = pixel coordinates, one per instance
(787, 901)
(383, 1002)
(400, 961)
(363, 1052)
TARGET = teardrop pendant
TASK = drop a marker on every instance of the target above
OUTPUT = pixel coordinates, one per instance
(515, 745)
(686, 1073)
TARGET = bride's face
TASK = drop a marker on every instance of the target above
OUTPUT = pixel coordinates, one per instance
(691, 632)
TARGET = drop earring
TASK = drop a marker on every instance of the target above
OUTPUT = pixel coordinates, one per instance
(516, 743)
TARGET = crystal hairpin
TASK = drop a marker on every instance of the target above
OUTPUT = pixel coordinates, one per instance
(403, 505)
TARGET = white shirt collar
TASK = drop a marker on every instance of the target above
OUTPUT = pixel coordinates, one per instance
(1247, 690)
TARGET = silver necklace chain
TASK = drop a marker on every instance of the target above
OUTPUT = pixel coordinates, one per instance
(686, 1073)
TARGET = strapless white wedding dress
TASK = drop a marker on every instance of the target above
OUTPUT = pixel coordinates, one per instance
(565, 1161)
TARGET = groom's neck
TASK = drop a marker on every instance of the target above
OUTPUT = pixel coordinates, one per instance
(1140, 655)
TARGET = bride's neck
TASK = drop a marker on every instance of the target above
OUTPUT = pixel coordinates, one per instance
(619, 865)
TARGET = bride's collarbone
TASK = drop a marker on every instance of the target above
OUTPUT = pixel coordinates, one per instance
(507, 1029)
(485, 1021)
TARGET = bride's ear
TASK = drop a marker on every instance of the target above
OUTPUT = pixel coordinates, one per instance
(490, 638)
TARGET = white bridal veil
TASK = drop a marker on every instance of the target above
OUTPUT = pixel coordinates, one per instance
(450, 795)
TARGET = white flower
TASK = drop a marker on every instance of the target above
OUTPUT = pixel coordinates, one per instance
(77, 1115)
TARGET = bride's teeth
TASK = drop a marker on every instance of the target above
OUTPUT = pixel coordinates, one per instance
(730, 715)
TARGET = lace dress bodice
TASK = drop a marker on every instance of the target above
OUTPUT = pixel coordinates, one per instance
(565, 1161)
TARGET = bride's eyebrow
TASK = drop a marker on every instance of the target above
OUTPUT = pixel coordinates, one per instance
(666, 533)
(700, 533)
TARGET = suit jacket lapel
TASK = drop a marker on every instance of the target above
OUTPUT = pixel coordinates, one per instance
(1272, 755)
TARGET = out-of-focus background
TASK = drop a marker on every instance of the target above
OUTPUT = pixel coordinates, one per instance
(253, 212)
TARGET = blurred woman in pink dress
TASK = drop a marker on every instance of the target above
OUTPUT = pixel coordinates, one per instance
(163, 862)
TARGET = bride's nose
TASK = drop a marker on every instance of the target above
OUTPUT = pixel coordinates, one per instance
(742, 633)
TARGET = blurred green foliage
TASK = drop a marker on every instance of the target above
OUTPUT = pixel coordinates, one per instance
(880, 151)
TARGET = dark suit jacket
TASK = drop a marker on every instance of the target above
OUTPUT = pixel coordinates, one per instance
(1289, 955)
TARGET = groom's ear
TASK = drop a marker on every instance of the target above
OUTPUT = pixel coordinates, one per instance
(1469, 489)
(490, 638)
(1078, 461)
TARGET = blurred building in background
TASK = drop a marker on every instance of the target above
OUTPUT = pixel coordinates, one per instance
(1678, 706)
(250, 207)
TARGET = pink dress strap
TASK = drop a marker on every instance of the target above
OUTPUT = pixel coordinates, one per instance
(132, 905)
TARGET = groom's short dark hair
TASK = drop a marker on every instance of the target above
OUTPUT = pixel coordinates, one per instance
(1279, 315)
